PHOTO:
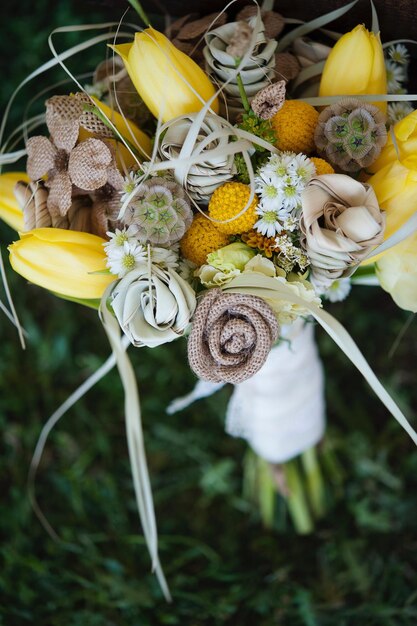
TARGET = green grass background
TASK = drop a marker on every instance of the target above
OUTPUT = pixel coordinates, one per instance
(358, 568)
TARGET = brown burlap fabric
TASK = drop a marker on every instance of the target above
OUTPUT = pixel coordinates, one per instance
(68, 165)
(231, 336)
(269, 100)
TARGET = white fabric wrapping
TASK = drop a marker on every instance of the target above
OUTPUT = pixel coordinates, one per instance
(280, 411)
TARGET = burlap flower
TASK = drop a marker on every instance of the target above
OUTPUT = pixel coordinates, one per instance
(87, 166)
(341, 222)
(269, 100)
(153, 307)
(231, 336)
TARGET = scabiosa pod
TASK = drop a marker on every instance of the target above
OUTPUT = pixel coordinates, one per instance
(159, 213)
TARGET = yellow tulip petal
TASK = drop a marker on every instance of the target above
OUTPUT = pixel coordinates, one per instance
(378, 77)
(165, 78)
(355, 66)
(10, 210)
(349, 65)
(127, 129)
(62, 261)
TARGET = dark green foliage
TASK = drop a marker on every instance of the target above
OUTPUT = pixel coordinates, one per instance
(358, 569)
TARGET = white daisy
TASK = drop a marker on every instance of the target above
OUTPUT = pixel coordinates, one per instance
(131, 181)
(302, 168)
(267, 189)
(291, 194)
(395, 75)
(186, 270)
(123, 259)
(120, 237)
(399, 54)
(269, 223)
(277, 165)
(338, 290)
(166, 257)
(398, 111)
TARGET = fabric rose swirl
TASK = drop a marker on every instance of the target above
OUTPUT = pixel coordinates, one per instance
(152, 305)
(231, 336)
(341, 223)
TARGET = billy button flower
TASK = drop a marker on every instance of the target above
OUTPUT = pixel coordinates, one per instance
(202, 238)
(294, 125)
(227, 202)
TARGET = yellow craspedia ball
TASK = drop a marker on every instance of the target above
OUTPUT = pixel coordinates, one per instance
(322, 167)
(294, 125)
(200, 239)
(228, 201)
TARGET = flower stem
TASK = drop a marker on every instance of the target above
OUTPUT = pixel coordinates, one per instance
(296, 501)
(139, 10)
(242, 92)
(315, 485)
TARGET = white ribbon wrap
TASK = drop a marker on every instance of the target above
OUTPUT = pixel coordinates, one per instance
(280, 411)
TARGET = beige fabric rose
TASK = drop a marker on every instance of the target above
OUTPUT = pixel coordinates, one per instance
(341, 222)
(152, 307)
(231, 336)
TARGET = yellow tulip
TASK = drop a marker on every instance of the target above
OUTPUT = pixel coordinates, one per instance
(395, 177)
(355, 66)
(62, 261)
(129, 131)
(397, 273)
(10, 210)
(164, 76)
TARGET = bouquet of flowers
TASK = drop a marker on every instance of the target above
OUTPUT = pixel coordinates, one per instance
(221, 182)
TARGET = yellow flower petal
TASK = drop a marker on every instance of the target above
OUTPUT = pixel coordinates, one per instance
(129, 131)
(62, 261)
(10, 210)
(355, 66)
(167, 80)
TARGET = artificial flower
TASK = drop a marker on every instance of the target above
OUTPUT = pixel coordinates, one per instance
(355, 66)
(231, 336)
(341, 222)
(152, 305)
(169, 81)
(125, 129)
(67, 262)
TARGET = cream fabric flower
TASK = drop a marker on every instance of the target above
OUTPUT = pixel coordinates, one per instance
(153, 307)
(341, 222)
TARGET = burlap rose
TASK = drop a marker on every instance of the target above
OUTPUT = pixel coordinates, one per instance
(231, 336)
(153, 307)
(341, 222)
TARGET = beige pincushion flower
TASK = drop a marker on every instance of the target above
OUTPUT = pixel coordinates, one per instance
(341, 222)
